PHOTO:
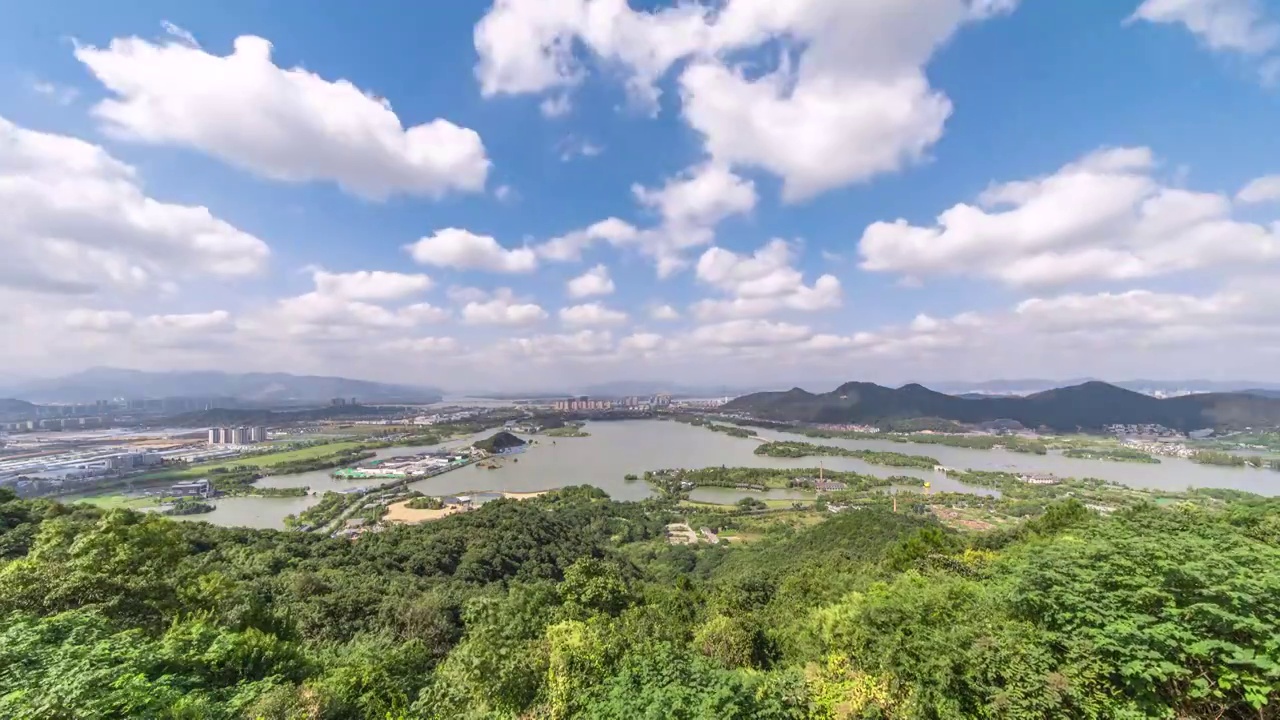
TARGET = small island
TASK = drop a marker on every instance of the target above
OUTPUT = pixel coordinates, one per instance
(188, 506)
(499, 443)
(573, 430)
(1120, 454)
(792, 449)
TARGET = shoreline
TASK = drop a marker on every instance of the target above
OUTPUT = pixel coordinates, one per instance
(399, 514)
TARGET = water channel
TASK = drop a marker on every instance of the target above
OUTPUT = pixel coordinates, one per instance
(615, 449)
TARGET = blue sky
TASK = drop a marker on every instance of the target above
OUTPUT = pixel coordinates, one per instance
(961, 189)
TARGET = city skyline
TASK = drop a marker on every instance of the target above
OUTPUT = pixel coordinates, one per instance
(526, 194)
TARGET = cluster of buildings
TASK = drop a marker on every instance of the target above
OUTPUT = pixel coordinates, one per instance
(1040, 479)
(39, 474)
(1143, 430)
(584, 402)
(423, 465)
(237, 435)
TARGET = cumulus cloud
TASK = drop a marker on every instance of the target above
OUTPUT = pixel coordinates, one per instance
(370, 284)
(584, 344)
(750, 333)
(284, 124)
(1238, 25)
(502, 308)
(760, 284)
(569, 247)
(1103, 217)
(423, 345)
(664, 312)
(73, 219)
(1241, 27)
(849, 101)
(689, 206)
(147, 331)
(464, 250)
(556, 106)
(591, 314)
(595, 281)
(1260, 190)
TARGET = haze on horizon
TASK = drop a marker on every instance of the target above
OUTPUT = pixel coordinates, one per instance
(847, 191)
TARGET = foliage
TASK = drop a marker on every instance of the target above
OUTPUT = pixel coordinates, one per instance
(791, 449)
(570, 605)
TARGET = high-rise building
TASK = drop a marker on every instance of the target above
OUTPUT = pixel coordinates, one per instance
(240, 436)
(215, 436)
(257, 434)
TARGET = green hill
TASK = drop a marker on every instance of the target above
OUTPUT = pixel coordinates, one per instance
(571, 606)
(1090, 405)
(499, 442)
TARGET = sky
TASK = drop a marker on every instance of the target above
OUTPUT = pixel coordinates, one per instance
(552, 193)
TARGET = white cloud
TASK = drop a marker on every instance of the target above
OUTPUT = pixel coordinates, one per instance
(664, 312)
(595, 281)
(699, 197)
(569, 247)
(502, 308)
(760, 284)
(642, 343)
(1238, 25)
(321, 316)
(591, 314)
(505, 193)
(556, 106)
(60, 94)
(572, 148)
(583, 344)
(283, 124)
(1260, 190)
(689, 205)
(149, 331)
(750, 333)
(852, 104)
(423, 345)
(73, 219)
(98, 320)
(370, 284)
(1104, 217)
(464, 250)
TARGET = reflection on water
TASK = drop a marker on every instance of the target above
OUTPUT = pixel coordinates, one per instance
(615, 449)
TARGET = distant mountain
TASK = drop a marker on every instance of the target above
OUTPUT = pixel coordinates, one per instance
(1034, 385)
(11, 408)
(257, 388)
(1089, 405)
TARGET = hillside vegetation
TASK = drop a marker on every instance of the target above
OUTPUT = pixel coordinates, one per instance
(574, 606)
(1089, 406)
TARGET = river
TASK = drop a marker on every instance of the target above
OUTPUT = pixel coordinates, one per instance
(617, 448)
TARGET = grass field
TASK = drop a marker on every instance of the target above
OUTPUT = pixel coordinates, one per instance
(275, 458)
(116, 500)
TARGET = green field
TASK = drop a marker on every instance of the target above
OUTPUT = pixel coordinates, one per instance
(116, 500)
(264, 460)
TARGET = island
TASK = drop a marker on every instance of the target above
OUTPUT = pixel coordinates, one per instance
(1120, 454)
(499, 443)
(793, 449)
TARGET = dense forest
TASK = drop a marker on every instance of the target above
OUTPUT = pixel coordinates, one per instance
(574, 606)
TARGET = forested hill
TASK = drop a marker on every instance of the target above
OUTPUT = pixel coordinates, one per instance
(573, 606)
(1089, 405)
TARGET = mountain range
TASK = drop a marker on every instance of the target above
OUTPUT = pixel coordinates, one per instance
(1088, 406)
(1033, 385)
(250, 388)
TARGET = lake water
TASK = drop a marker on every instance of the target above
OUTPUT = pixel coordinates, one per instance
(615, 449)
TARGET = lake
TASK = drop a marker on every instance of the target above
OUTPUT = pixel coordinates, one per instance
(618, 448)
